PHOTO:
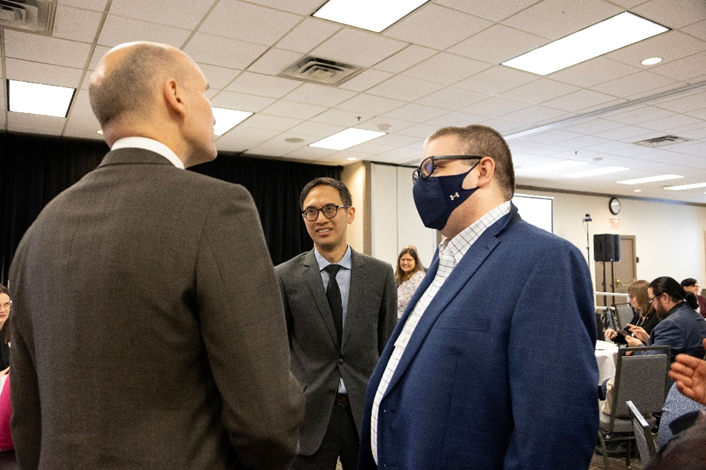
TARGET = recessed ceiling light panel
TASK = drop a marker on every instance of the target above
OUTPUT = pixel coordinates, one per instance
(373, 15)
(226, 119)
(650, 179)
(601, 38)
(651, 61)
(37, 98)
(686, 186)
(347, 138)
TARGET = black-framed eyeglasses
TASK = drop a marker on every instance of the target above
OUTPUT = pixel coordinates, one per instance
(6, 305)
(329, 211)
(653, 298)
(428, 166)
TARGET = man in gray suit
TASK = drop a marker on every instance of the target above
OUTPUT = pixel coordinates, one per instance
(341, 308)
(144, 335)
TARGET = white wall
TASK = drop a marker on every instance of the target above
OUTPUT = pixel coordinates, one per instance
(353, 176)
(669, 237)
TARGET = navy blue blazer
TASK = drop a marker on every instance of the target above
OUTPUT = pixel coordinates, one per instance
(500, 372)
(683, 329)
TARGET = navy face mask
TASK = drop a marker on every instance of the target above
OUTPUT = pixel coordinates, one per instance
(437, 197)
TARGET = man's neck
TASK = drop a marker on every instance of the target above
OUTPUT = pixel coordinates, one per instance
(333, 255)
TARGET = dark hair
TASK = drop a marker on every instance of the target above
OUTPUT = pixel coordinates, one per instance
(342, 190)
(485, 141)
(5, 330)
(401, 276)
(690, 298)
(688, 282)
(669, 286)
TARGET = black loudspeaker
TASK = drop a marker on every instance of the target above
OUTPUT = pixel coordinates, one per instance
(606, 247)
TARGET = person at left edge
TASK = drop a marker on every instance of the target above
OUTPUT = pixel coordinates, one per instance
(334, 366)
(145, 333)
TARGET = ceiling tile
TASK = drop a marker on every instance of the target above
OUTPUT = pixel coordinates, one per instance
(274, 61)
(247, 22)
(495, 107)
(34, 124)
(45, 49)
(76, 24)
(370, 105)
(405, 58)
(317, 129)
(320, 95)
(262, 121)
(446, 68)
(494, 11)
(689, 69)
(684, 102)
(504, 126)
(540, 91)
(452, 98)
(339, 117)
(670, 123)
(222, 52)
(456, 119)
(496, 80)
(537, 114)
(218, 77)
(507, 43)
(392, 125)
(593, 72)
(311, 153)
(416, 112)
(624, 133)
(118, 30)
(239, 139)
(397, 140)
(262, 85)
(696, 29)
(175, 13)
(436, 27)
(578, 100)
(36, 72)
(98, 54)
(421, 131)
(241, 102)
(404, 88)
(670, 46)
(555, 19)
(671, 15)
(301, 7)
(95, 5)
(294, 110)
(367, 79)
(357, 47)
(633, 84)
(308, 34)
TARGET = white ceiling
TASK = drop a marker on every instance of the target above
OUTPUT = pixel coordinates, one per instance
(436, 67)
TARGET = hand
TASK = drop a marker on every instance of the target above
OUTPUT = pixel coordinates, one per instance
(690, 375)
(633, 342)
(639, 333)
(4, 372)
(610, 333)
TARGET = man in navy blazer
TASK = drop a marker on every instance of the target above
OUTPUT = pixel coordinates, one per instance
(492, 365)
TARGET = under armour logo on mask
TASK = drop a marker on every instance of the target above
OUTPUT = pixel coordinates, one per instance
(453, 196)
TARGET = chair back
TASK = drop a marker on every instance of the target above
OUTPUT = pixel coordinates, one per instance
(640, 378)
(624, 314)
(611, 317)
(643, 435)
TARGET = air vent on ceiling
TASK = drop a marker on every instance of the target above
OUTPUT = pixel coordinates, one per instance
(28, 15)
(662, 141)
(326, 72)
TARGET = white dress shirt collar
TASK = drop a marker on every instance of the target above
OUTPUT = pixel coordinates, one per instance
(148, 144)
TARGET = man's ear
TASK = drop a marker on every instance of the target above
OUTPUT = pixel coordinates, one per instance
(351, 214)
(173, 98)
(486, 171)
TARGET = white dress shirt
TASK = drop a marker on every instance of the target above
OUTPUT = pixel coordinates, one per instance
(148, 144)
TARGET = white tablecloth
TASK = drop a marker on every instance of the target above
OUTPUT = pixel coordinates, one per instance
(606, 354)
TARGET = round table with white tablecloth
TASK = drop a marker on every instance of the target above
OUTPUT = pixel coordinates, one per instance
(606, 354)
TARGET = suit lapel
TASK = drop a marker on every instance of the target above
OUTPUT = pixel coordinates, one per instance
(318, 293)
(462, 273)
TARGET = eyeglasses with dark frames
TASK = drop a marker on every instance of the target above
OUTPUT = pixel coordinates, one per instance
(329, 211)
(428, 166)
(6, 306)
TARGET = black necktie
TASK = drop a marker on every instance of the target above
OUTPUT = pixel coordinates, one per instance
(333, 294)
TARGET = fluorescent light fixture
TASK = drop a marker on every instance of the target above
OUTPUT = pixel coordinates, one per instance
(650, 179)
(562, 165)
(226, 119)
(601, 38)
(596, 171)
(37, 98)
(347, 138)
(651, 61)
(351, 159)
(638, 190)
(373, 15)
(686, 186)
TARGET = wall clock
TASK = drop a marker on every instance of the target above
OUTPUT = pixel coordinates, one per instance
(614, 205)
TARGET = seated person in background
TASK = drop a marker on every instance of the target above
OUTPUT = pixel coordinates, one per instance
(680, 327)
(5, 305)
(645, 316)
(689, 374)
(692, 285)
(675, 406)
(409, 275)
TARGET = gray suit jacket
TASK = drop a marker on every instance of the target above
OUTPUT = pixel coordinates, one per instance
(147, 332)
(317, 359)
